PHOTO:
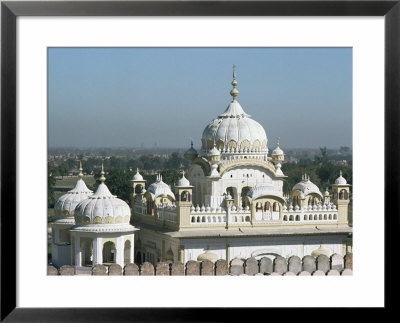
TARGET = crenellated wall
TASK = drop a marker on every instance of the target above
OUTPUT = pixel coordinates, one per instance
(335, 265)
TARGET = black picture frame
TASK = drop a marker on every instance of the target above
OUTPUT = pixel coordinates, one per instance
(10, 10)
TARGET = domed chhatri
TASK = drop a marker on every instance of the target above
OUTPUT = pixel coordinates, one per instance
(340, 180)
(307, 187)
(191, 153)
(159, 188)
(137, 176)
(102, 208)
(207, 255)
(102, 234)
(183, 181)
(233, 131)
(65, 205)
(321, 251)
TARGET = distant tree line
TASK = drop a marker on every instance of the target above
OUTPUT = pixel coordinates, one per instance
(120, 170)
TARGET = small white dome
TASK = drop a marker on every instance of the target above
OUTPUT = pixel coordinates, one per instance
(208, 255)
(340, 180)
(307, 187)
(183, 181)
(214, 152)
(321, 251)
(159, 188)
(277, 152)
(65, 205)
(137, 176)
(102, 208)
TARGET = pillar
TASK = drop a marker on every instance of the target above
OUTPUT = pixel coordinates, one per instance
(228, 252)
(97, 251)
(132, 251)
(119, 258)
(182, 254)
(78, 254)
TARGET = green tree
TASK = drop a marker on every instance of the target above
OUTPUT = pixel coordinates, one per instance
(63, 169)
(51, 182)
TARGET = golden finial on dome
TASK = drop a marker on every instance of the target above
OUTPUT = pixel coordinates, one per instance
(80, 170)
(234, 91)
(102, 178)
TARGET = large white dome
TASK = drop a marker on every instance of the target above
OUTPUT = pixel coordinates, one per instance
(102, 208)
(65, 205)
(234, 130)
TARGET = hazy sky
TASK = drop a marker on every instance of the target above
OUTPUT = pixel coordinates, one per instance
(128, 97)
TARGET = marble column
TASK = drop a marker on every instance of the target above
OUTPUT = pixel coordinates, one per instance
(78, 253)
(97, 251)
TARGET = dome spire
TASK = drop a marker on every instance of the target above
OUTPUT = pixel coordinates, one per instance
(234, 91)
(80, 175)
(102, 178)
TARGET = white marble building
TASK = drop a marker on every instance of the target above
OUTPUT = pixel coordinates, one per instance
(232, 205)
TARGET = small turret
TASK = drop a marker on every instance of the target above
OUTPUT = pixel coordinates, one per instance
(341, 198)
(138, 185)
(191, 153)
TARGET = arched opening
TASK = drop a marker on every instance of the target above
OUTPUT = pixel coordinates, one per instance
(276, 207)
(234, 219)
(291, 218)
(341, 195)
(232, 191)
(330, 216)
(243, 194)
(325, 216)
(185, 196)
(109, 252)
(315, 217)
(267, 206)
(138, 188)
(127, 252)
(138, 258)
(320, 216)
(258, 206)
(193, 219)
(335, 217)
(198, 219)
(305, 217)
(247, 219)
(310, 217)
(285, 218)
(295, 201)
(149, 206)
(297, 217)
(203, 219)
(86, 251)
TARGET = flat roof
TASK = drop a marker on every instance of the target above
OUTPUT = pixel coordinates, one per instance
(248, 232)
